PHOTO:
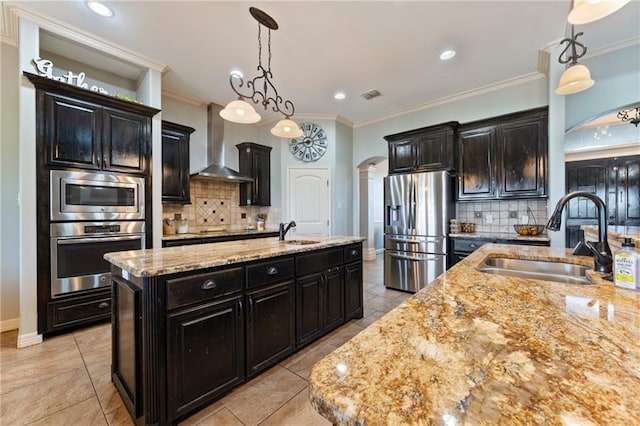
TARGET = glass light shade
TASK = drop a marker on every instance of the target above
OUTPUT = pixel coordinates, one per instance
(286, 129)
(574, 79)
(585, 11)
(240, 112)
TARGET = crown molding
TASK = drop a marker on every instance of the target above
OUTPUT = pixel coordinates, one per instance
(613, 47)
(183, 98)
(458, 96)
(9, 33)
(81, 37)
(308, 117)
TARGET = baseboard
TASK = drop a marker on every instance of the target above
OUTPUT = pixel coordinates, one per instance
(10, 324)
(369, 254)
(25, 340)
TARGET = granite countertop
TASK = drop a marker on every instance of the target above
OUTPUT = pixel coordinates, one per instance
(476, 348)
(501, 236)
(220, 233)
(169, 260)
(615, 234)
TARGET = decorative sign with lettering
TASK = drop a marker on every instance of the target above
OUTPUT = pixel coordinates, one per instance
(45, 68)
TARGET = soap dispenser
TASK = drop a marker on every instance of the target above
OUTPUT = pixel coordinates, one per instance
(626, 263)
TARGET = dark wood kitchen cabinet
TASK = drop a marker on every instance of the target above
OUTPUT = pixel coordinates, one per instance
(85, 134)
(270, 313)
(615, 180)
(421, 150)
(320, 293)
(353, 295)
(175, 163)
(255, 162)
(504, 157)
(77, 128)
(182, 340)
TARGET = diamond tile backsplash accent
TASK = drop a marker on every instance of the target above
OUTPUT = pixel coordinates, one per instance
(211, 211)
(494, 215)
(215, 206)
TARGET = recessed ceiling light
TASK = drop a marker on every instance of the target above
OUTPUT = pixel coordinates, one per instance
(100, 9)
(339, 96)
(447, 54)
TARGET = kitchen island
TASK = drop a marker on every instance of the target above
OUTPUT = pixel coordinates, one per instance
(190, 323)
(478, 348)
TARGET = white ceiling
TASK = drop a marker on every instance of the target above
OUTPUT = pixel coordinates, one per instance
(352, 46)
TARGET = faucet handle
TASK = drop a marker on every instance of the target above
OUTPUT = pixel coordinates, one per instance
(602, 259)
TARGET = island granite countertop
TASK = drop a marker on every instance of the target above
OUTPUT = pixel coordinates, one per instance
(219, 233)
(169, 260)
(477, 348)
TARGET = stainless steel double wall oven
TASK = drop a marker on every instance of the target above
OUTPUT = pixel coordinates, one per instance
(92, 213)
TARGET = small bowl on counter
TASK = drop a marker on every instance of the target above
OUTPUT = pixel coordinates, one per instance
(528, 230)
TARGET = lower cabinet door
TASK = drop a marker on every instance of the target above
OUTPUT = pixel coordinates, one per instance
(309, 309)
(206, 354)
(353, 291)
(270, 326)
(334, 298)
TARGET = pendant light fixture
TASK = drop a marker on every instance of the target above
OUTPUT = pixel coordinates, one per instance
(240, 111)
(576, 77)
(585, 11)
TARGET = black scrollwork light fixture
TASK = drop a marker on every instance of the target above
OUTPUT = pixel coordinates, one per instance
(576, 77)
(632, 115)
(240, 111)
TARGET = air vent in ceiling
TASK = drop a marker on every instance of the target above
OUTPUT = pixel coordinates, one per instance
(371, 94)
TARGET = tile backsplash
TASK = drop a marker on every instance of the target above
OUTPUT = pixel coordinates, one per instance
(214, 206)
(500, 216)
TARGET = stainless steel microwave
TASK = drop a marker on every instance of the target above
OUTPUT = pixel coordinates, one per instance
(85, 195)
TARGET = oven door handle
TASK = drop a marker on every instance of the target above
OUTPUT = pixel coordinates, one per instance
(94, 239)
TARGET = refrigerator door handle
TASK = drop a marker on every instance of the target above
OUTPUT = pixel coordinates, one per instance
(408, 240)
(413, 258)
(412, 205)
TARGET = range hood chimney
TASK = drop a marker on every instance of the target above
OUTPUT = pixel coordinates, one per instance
(215, 151)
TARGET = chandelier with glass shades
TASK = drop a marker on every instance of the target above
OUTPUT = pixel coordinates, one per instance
(577, 77)
(240, 111)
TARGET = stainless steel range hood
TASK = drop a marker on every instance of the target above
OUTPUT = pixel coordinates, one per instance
(216, 169)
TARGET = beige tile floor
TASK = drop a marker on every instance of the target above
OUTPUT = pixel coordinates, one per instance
(66, 379)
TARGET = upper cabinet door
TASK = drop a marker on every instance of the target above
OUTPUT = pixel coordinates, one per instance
(255, 162)
(175, 163)
(476, 179)
(72, 132)
(402, 156)
(522, 152)
(125, 141)
(434, 150)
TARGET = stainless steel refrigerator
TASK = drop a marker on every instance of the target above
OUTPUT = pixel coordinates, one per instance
(418, 207)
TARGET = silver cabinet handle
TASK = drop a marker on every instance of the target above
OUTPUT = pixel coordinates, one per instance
(208, 285)
(272, 270)
(103, 305)
(354, 252)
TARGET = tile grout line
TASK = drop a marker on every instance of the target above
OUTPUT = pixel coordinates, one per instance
(285, 403)
(93, 386)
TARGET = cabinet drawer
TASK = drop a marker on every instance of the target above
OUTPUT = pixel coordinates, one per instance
(468, 245)
(269, 272)
(76, 311)
(319, 261)
(203, 287)
(353, 253)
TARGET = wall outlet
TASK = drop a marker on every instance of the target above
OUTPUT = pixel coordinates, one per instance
(488, 218)
(477, 215)
(513, 214)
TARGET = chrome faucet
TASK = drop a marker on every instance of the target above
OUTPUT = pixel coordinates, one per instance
(284, 229)
(602, 257)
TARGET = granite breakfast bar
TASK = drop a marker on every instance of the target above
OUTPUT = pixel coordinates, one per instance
(478, 348)
(190, 323)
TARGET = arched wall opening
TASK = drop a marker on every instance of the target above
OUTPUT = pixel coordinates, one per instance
(371, 173)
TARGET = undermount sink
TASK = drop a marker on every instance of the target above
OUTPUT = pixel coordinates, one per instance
(536, 269)
(301, 242)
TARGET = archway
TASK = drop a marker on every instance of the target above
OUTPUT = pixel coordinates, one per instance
(371, 189)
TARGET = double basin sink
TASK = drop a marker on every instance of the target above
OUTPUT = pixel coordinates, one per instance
(536, 269)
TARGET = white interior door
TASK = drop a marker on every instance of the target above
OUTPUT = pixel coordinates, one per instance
(309, 200)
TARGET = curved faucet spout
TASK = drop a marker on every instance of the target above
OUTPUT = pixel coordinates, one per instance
(603, 258)
(283, 229)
